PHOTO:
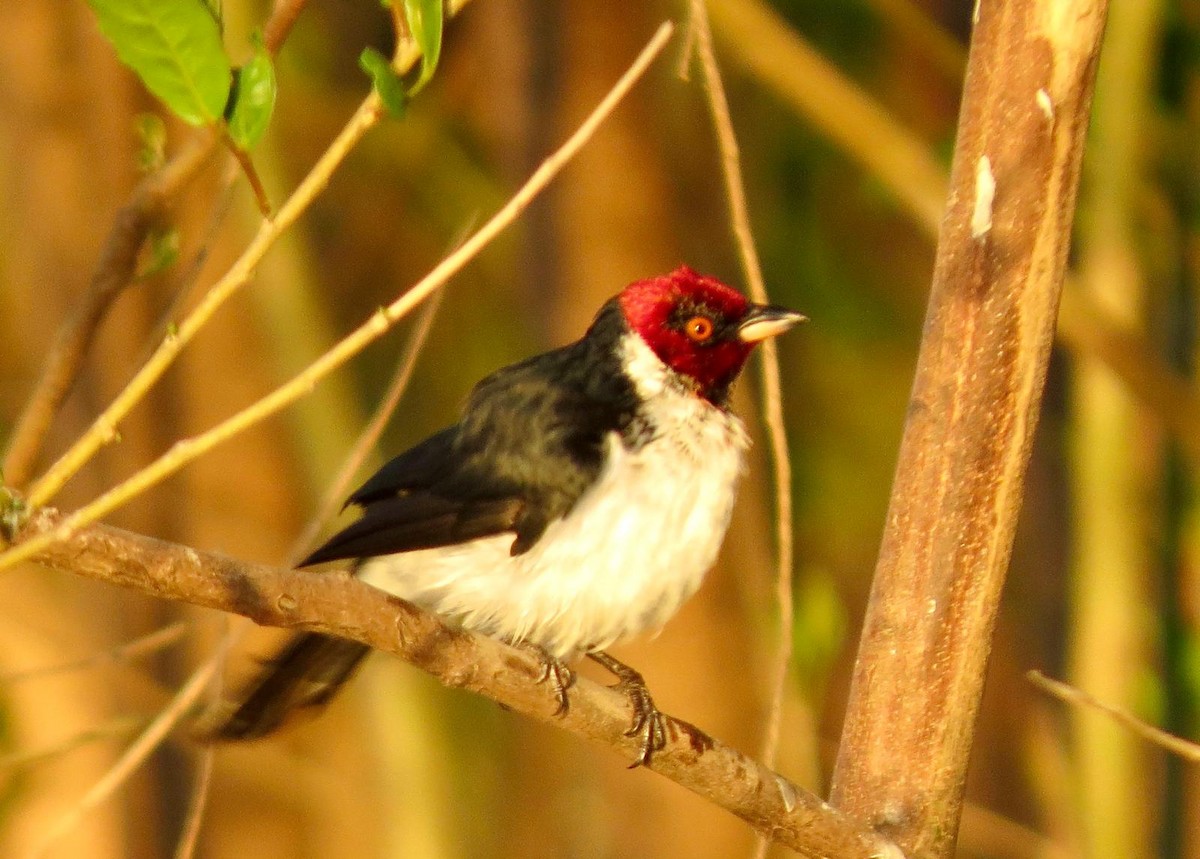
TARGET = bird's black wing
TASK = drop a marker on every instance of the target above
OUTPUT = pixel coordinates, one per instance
(420, 520)
(417, 468)
(530, 443)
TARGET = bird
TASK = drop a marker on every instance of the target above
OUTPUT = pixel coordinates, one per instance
(579, 500)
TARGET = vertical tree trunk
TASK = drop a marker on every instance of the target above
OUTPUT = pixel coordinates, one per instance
(1001, 258)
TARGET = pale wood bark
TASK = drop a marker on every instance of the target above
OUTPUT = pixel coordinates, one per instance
(338, 604)
(1001, 259)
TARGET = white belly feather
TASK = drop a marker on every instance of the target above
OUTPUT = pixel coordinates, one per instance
(631, 551)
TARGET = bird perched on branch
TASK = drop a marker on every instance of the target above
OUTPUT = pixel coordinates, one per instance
(579, 500)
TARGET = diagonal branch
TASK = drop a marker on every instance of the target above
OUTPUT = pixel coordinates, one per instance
(863, 130)
(104, 428)
(339, 487)
(129, 761)
(188, 449)
(146, 207)
(337, 604)
(1075, 697)
(114, 272)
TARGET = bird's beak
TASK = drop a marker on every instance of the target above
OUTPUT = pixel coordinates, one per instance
(767, 320)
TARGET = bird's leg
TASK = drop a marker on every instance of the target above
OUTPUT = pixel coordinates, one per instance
(554, 671)
(648, 723)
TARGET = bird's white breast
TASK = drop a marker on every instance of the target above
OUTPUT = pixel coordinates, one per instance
(632, 550)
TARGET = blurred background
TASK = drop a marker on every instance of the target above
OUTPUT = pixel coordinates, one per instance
(1102, 589)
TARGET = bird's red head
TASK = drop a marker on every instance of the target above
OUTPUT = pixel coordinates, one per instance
(699, 327)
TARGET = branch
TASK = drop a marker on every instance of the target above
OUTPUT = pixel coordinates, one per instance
(338, 604)
(146, 207)
(999, 271)
(280, 22)
(339, 487)
(759, 38)
(1068, 694)
(772, 406)
(863, 129)
(131, 759)
(188, 449)
(104, 429)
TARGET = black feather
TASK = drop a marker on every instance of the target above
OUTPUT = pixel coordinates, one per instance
(417, 521)
(530, 443)
(419, 467)
(304, 675)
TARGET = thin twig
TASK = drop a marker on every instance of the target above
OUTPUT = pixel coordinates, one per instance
(280, 22)
(772, 397)
(190, 831)
(185, 450)
(338, 489)
(106, 731)
(133, 757)
(114, 273)
(190, 834)
(1068, 694)
(104, 428)
(242, 157)
(146, 645)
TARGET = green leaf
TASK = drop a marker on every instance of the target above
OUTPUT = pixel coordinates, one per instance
(175, 47)
(387, 83)
(152, 141)
(253, 100)
(163, 246)
(13, 512)
(424, 19)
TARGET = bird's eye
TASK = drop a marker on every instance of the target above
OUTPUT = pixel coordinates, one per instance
(699, 328)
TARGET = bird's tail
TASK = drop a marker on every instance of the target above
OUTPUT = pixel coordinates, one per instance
(304, 676)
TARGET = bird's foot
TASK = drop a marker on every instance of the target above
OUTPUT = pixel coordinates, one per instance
(556, 673)
(648, 724)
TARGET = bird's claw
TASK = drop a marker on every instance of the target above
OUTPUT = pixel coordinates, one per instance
(558, 675)
(648, 723)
